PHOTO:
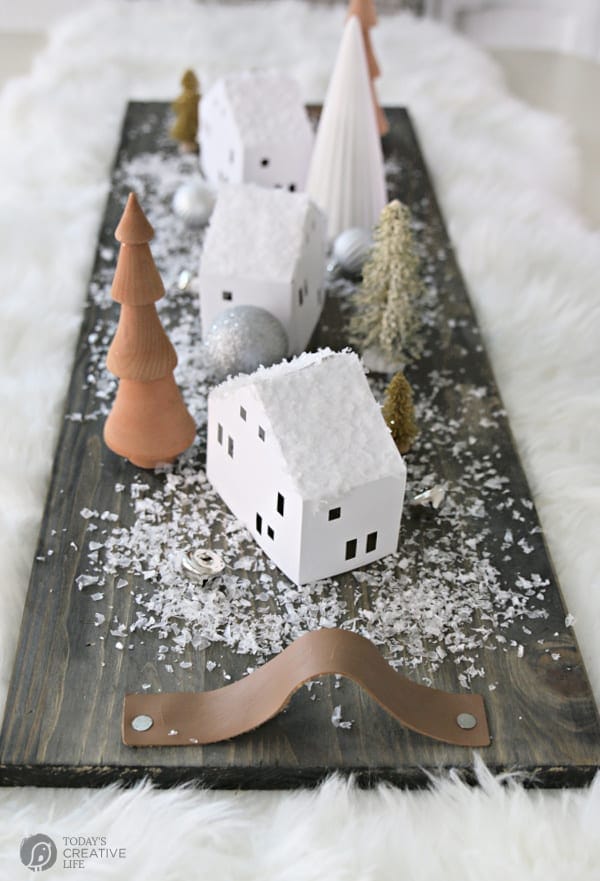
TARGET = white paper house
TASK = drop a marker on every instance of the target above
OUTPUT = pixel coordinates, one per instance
(254, 127)
(265, 248)
(302, 456)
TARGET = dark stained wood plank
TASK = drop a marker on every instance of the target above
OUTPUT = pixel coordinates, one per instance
(62, 722)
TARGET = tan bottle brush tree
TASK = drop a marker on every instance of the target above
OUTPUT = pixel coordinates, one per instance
(364, 10)
(185, 127)
(387, 305)
(149, 423)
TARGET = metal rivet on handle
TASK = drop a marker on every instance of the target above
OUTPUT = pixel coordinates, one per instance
(142, 723)
(466, 721)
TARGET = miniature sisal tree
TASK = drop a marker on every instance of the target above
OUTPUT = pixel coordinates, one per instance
(386, 319)
(364, 10)
(399, 412)
(185, 127)
(346, 177)
(149, 422)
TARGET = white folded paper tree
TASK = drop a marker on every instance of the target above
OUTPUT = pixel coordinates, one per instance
(346, 176)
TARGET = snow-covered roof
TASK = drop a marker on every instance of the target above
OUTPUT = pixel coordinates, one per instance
(266, 106)
(326, 421)
(257, 233)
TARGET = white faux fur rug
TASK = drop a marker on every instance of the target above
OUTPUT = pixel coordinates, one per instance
(506, 177)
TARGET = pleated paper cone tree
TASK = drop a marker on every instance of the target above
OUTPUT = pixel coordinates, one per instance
(346, 177)
(149, 423)
(364, 10)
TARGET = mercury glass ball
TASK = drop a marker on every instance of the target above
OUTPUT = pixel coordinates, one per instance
(351, 249)
(194, 201)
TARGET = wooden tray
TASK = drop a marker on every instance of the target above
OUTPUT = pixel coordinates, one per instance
(62, 722)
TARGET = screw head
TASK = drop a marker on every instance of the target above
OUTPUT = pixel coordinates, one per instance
(142, 723)
(466, 721)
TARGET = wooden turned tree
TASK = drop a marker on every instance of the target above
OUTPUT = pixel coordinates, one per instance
(149, 423)
(364, 10)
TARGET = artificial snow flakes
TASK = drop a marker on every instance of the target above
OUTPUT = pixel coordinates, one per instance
(440, 600)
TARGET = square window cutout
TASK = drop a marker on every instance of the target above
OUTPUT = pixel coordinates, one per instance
(227, 295)
(335, 513)
(351, 549)
(371, 541)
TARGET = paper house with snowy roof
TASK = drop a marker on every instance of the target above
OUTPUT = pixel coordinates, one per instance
(265, 248)
(302, 456)
(254, 127)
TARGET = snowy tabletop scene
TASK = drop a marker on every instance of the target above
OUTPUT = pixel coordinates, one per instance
(469, 600)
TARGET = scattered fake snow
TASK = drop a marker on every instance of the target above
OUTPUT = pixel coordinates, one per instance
(439, 600)
(276, 224)
(267, 106)
(339, 439)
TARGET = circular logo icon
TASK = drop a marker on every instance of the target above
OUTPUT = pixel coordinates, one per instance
(38, 852)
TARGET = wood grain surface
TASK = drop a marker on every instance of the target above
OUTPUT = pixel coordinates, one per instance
(62, 722)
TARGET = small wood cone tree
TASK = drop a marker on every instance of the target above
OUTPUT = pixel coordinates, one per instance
(185, 127)
(149, 422)
(386, 318)
(364, 10)
(399, 412)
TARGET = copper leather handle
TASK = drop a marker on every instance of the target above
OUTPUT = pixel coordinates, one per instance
(189, 718)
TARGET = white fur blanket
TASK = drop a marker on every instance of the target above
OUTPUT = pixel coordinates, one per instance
(506, 177)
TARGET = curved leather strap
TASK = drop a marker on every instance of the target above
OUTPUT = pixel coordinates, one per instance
(188, 718)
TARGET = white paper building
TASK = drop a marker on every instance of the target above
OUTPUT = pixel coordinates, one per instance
(302, 456)
(346, 177)
(265, 248)
(253, 127)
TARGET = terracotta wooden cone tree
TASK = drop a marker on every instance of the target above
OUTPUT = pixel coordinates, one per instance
(364, 10)
(149, 422)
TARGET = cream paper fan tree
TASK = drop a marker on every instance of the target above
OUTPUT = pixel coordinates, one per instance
(346, 177)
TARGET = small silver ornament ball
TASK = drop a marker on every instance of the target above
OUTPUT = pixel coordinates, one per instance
(351, 249)
(241, 339)
(194, 201)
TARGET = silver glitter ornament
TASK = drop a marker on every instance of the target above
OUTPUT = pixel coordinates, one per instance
(241, 339)
(194, 201)
(351, 249)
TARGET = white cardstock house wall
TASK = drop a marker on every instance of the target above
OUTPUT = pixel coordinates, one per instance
(302, 456)
(254, 128)
(265, 248)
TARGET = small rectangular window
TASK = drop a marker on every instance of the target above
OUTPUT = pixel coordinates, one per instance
(243, 413)
(300, 296)
(259, 524)
(227, 295)
(220, 433)
(270, 532)
(230, 446)
(335, 513)
(261, 432)
(351, 549)
(280, 504)
(371, 541)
